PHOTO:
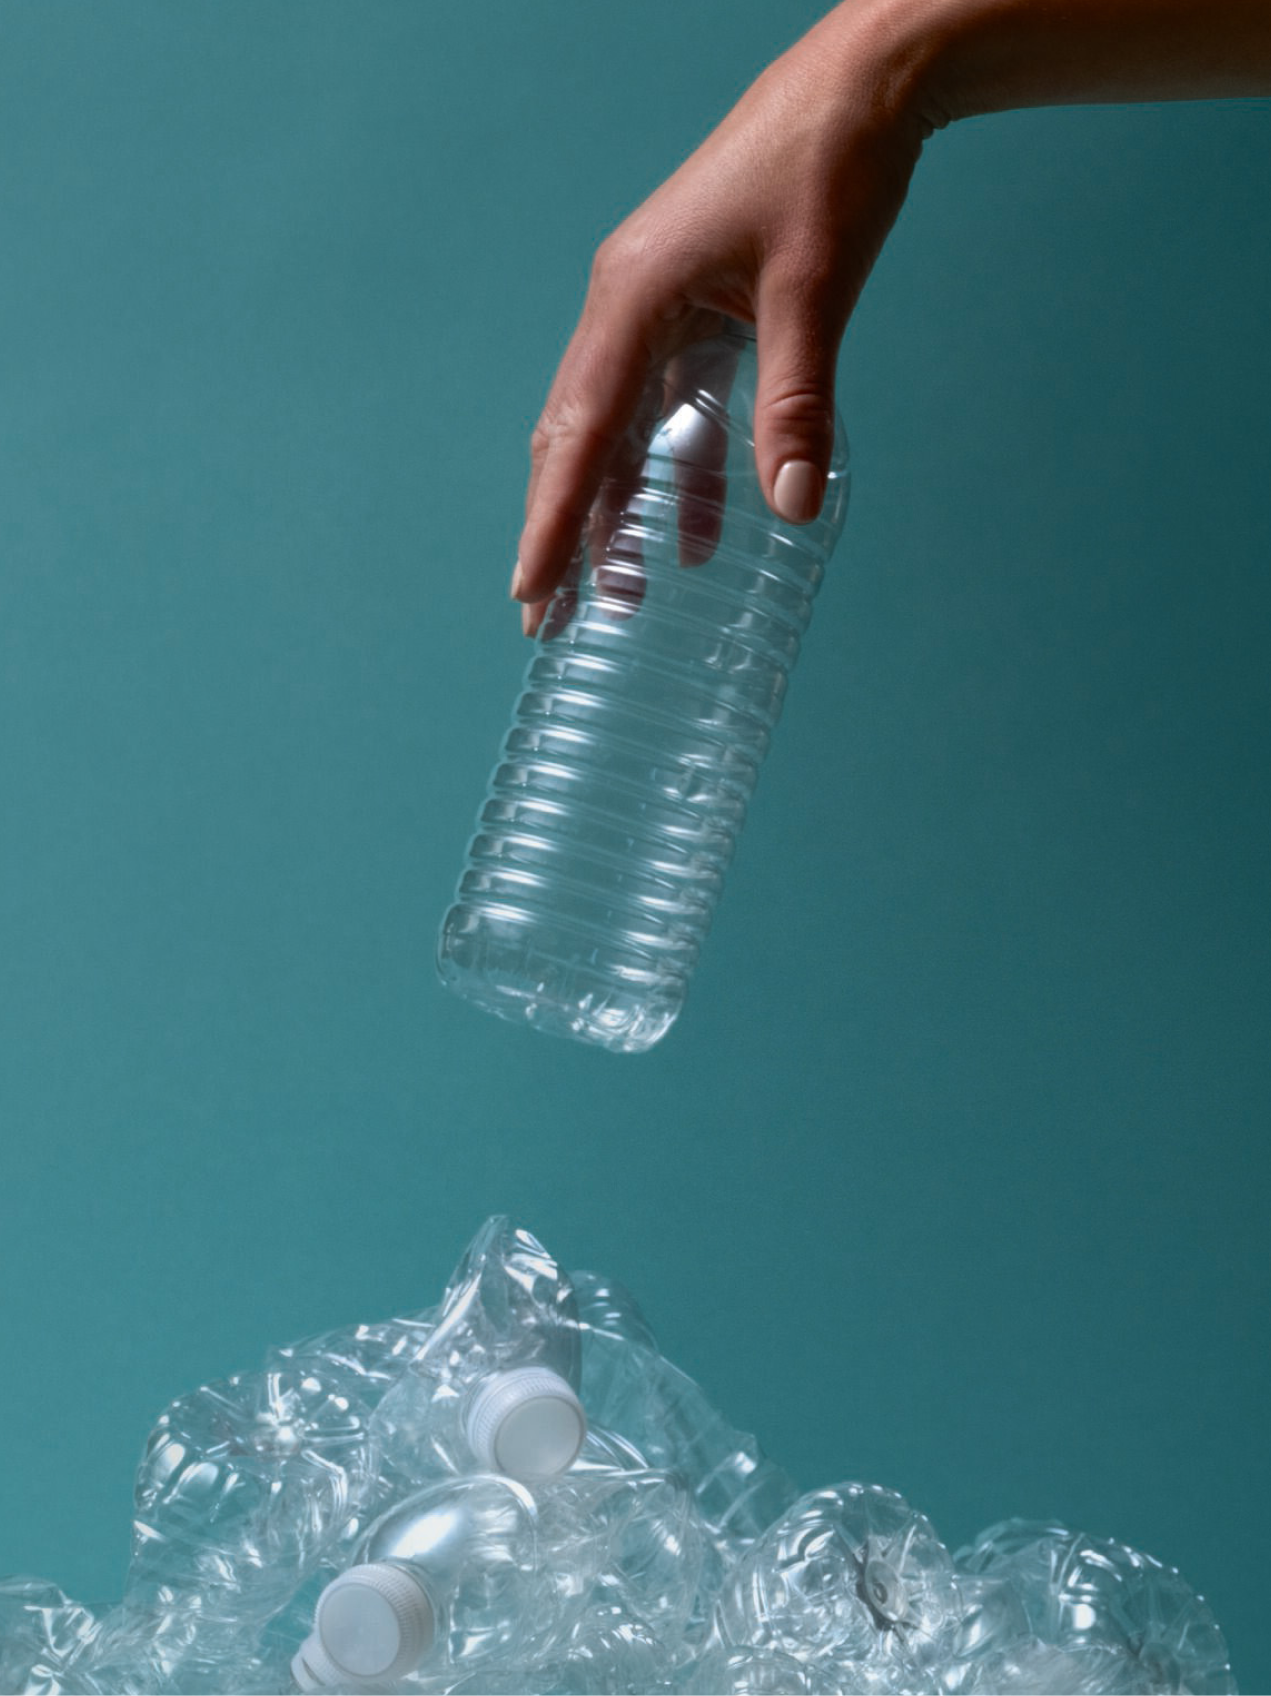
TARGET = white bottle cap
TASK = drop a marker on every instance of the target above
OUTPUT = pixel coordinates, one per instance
(527, 1423)
(312, 1668)
(373, 1623)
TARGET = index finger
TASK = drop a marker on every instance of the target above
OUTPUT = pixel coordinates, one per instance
(591, 402)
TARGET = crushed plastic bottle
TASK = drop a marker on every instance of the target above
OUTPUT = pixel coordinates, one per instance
(350, 1519)
(630, 1388)
(991, 1618)
(246, 1486)
(480, 1569)
(850, 1574)
(361, 1361)
(648, 1539)
(1033, 1668)
(494, 1386)
(41, 1633)
(449, 1579)
(1087, 1593)
(759, 1672)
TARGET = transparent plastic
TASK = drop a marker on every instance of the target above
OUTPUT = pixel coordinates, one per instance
(646, 711)
(991, 1619)
(470, 1545)
(244, 1487)
(759, 1672)
(504, 1349)
(631, 1390)
(1034, 1668)
(293, 1533)
(41, 1631)
(851, 1573)
(1095, 1600)
(480, 1570)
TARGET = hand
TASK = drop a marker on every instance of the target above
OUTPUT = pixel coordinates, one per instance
(775, 220)
(696, 443)
(778, 217)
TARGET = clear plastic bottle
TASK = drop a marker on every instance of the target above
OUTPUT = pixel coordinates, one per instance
(493, 1387)
(1034, 1668)
(249, 1489)
(629, 1388)
(365, 1360)
(1087, 1594)
(645, 1544)
(759, 1672)
(446, 1581)
(605, 1659)
(646, 711)
(244, 1487)
(991, 1618)
(42, 1632)
(851, 1573)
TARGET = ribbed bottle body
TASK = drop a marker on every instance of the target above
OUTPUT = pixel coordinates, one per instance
(646, 711)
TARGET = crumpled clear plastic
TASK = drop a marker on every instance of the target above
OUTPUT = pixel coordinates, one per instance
(671, 1555)
(1095, 1600)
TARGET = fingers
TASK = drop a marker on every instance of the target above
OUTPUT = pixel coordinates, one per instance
(799, 329)
(554, 614)
(593, 435)
(592, 401)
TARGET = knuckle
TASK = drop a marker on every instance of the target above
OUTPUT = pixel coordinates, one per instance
(574, 449)
(571, 425)
(617, 251)
(610, 268)
(540, 440)
(606, 261)
(799, 406)
(635, 250)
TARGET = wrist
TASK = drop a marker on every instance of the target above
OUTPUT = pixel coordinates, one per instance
(890, 63)
(962, 58)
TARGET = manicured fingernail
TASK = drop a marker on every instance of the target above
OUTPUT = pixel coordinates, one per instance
(517, 576)
(798, 491)
(528, 619)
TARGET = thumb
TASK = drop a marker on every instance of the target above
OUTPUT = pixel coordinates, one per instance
(794, 406)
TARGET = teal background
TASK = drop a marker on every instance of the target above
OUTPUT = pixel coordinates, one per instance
(954, 1174)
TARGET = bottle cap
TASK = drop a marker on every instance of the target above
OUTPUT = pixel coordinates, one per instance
(527, 1423)
(373, 1623)
(312, 1669)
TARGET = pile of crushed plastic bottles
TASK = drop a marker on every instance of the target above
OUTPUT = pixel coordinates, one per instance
(516, 1492)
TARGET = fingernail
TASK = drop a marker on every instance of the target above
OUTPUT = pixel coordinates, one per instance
(517, 576)
(528, 619)
(798, 491)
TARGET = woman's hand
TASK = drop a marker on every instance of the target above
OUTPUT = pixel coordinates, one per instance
(775, 220)
(778, 217)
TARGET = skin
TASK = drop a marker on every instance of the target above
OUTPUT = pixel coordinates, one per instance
(777, 219)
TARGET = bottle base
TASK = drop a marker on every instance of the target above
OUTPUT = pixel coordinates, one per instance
(504, 969)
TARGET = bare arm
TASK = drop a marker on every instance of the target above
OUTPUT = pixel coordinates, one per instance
(778, 217)
(996, 55)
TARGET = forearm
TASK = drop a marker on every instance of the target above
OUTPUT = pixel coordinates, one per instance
(958, 58)
(999, 54)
